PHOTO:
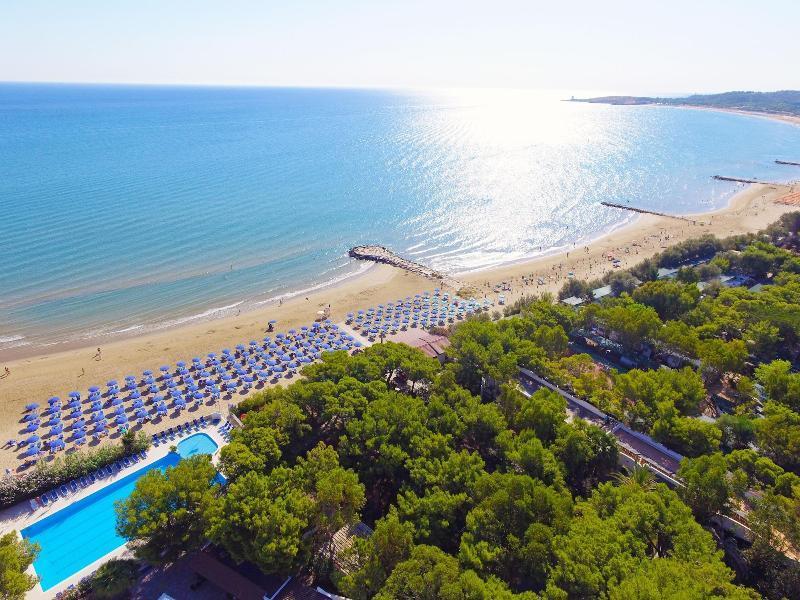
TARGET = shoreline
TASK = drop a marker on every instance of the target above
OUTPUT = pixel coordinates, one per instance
(37, 376)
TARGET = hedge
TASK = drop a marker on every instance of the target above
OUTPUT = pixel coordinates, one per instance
(49, 475)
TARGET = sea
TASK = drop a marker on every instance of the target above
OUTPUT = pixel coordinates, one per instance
(127, 209)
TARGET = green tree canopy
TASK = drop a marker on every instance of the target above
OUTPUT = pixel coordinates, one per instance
(166, 514)
(15, 557)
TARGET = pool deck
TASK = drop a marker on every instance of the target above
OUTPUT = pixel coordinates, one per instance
(20, 515)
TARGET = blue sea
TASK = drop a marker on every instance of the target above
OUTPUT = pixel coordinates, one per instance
(130, 208)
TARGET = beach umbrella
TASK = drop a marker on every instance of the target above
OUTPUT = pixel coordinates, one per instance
(141, 413)
(121, 420)
(32, 406)
(197, 395)
(30, 417)
(116, 402)
(78, 424)
(100, 428)
(138, 403)
(56, 429)
(97, 416)
(80, 433)
(74, 394)
(94, 389)
(55, 444)
(135, 394)
(273, 322)
(32, 451)
(33, 439)
(74, 405)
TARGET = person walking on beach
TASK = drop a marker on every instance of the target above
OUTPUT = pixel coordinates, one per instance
(97, 355)
(7, 372)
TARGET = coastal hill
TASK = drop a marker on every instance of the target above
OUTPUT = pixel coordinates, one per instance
(785, 102)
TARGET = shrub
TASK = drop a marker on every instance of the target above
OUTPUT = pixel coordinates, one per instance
(46, 476)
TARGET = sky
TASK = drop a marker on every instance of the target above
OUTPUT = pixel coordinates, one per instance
(614, 46)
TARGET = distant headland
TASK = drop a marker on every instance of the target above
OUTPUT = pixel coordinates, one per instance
(785, 102)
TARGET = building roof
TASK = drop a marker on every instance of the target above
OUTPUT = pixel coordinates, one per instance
(756, 288)
(572, 301)
(244, 581)
(601, 292)
(664, 273)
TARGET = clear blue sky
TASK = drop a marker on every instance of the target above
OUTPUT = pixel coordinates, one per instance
(631, 46)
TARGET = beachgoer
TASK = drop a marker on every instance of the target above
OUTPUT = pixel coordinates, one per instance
(8, 372)
(83, 372)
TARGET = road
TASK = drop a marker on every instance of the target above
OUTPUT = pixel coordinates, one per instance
(640, 447)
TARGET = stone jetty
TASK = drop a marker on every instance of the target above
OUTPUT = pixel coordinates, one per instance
(381, 254)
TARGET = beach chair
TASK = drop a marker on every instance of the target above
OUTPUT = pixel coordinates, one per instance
(134, 459)
(91, 478)
(143, 455)
(179, 430)
(125, 462)
(43, 499)
(203, 422)
(83, 481)
(73, 487)
(62, 491)
(53, 496)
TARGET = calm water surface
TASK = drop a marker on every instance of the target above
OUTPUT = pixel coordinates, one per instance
(132, 208)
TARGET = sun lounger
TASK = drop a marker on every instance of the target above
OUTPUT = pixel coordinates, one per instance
(83, 481)
(92, 478)
(73, 486)
(62, 491)
(43, 499)
(53, 496)
(143, 454)
(125, 462)
(155, 440)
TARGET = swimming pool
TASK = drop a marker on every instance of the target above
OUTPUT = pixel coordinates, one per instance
(84, 531)
(199, 443)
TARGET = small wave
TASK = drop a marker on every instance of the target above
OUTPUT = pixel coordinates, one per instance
(13, 341)
(11, 338)
(127, 329)
(206, 313)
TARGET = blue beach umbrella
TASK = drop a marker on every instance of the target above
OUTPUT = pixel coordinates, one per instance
(32, 451)
(56, 429)
(30, 417)
(74, 405)
(138, 403)
(121, 420)
(116, 402)
(31, 406)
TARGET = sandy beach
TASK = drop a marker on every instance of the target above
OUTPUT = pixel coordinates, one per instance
(35, 378)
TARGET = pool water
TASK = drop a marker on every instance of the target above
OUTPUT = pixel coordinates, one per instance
(199, 443)
(84, 531)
